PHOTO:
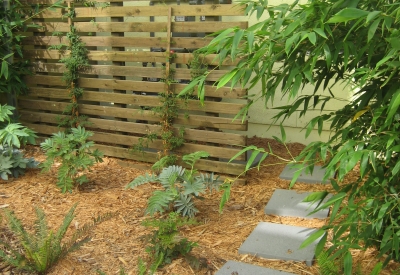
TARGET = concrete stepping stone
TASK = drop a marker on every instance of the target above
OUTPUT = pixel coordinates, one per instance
(315, 177)
(237, 268)
(279, 241)
(290, 203)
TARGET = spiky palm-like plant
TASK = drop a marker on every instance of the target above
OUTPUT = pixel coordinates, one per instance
(181, 186)
(41, 250)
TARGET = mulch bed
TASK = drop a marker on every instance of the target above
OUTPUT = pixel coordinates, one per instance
(118, 242)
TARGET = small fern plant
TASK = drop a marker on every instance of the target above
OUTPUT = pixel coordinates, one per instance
(75, 154)
(37, 252)
(165, 242)
(181, 186)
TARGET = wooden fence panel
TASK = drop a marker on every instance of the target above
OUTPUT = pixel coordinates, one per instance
(122, 86)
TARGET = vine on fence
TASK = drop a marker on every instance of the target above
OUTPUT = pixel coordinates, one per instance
(74, 63)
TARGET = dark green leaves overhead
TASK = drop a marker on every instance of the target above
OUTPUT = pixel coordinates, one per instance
(326, 43)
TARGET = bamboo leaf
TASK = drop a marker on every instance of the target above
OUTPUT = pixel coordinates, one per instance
(312, 238)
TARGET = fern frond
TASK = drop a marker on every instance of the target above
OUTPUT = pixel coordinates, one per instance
(160, 201)
(170, 175)
(185, 205)
(326, 265)
(65, 224)
(16, 227)
(142, 180)
(41, 229)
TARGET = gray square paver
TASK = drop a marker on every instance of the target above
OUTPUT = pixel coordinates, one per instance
(279, 241)
(290, 203)
(315, 177)
(230, 267)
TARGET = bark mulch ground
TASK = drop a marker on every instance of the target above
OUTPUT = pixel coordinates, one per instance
(118, 242)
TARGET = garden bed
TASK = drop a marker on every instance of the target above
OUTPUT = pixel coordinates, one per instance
(118, 242)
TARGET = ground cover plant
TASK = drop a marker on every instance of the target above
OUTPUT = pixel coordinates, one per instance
(181, 187)
(76, 156)
(325, 43)
(119, 242)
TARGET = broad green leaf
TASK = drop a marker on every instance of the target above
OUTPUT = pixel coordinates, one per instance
(372, 15)
(312, 37)
(291, 27)
(236, 41)
(313, 237)
(348, 263)
(328, 55)
(4, 69)
(347, 14)
(372, 29)
(394, 105)
(320, 32)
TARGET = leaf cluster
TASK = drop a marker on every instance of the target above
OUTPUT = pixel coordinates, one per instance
(353, 43)
(181, 187)
(75, 154)
(165, 244)
(12, 162)
(39, 251)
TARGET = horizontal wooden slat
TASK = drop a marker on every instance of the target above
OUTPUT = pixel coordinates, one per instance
(181, 58)
(187, 27)
(127, 140)
(139, 100)
(139, 86)
(140, 128)
(205, 165)
(85, 109)
(157, 72)
(109, 41)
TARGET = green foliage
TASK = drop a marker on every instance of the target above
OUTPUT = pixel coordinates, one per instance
(12, 136)
(74, 63)
(165, 243)
(181, 186)
(13, 22)
(12, 162)
(75, 154)
(39, 251)
(325, 43)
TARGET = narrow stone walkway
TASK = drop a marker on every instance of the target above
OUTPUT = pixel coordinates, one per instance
(280, 241)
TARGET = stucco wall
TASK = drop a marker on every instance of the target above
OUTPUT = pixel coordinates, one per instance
(261, 116)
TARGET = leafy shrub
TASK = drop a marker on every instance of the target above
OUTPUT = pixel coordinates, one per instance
(12, 162)
(73, 150)
(325, 43)
(39, 251)
(12, 136)
(181, 186)
(165, 244)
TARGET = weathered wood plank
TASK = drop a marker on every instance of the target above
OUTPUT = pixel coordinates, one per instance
(139, 86)
(140, 128)
(181, 58)
(161, 10)
(138, 114)
(190, 27)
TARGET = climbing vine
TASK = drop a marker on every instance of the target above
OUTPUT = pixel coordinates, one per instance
(74, 63)
(168, 111)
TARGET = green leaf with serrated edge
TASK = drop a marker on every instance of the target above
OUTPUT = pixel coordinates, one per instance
(312, 238)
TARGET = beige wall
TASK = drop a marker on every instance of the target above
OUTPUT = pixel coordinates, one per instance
(260, 116)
